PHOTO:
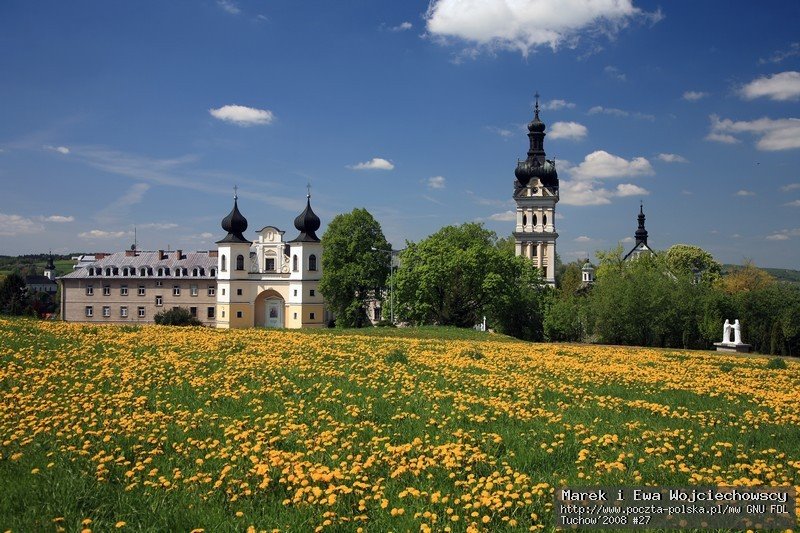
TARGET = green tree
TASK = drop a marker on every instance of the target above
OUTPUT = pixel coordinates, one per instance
(564, 319)
(179, 316)
(747, 278)
(609, 261)
(514, 291)
(13, 295)
(571, 278)
(355, 269)
(688, 260)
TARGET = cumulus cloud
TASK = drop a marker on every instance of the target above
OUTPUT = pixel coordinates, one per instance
(783, 86)
(628, 239)
(693, 96)
(229, 6)
(773, 134)
(60, 149)
(672, 158)
(555, 105)
(567, 130)
(436, 182)
(376, 163)
(743, 192)
(243, 115)
(591, 192)
(613, 111)
(505, 216)
(778, 237)
(582, 238)
(600, 164)
(101, 234)
(524, 26)
(629, 189)
(11, 225)
(59, 219)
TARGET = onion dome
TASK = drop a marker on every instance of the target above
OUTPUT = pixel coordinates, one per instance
(235, 224)
(536, 125)
(641, 233)
(588, 266)
(307, 223)
(50, 265)
(532, 168)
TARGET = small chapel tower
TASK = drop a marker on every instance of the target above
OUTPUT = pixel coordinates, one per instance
(233, 267)
(50, 268)
(536, 196)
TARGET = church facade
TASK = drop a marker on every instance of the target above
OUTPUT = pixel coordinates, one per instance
(536, 196)
(267, 282)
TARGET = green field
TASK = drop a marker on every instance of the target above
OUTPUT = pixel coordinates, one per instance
(167, 429)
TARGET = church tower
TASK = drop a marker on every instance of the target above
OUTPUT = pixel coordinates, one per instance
(233, 266)
(536, 196)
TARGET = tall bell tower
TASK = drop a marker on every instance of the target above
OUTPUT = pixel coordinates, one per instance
(536, 196)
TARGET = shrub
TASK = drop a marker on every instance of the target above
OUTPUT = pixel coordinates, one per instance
(776, 363)
(396, 356)
(179, 316)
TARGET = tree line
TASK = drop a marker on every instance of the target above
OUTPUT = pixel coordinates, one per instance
(460, 274)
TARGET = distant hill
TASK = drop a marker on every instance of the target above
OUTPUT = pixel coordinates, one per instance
(781, 274)
(34, 264)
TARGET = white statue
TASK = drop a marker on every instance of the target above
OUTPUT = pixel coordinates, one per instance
(737, 332)
(726, 331)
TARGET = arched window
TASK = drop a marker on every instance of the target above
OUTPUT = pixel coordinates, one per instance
(294, 263)
(240, 262)
(213, 272)
(166, 271)
(524, 220)
(108, 271)
(160, 272)
(223, 263)
(195, 272)
(312, 262)
(534, 219)
(544, 219)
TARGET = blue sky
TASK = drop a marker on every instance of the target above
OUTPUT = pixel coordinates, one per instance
(146, 114)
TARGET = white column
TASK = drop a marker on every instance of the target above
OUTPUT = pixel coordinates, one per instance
(539, 253)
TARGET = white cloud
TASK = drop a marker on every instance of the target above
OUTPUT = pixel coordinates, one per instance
(672, 158)
(779, 55)
(577, 192)
(555, 105)
(60, 149)
(774, 134)
(693, 96)
(619, 112)
(376, 163)
(59, 219)
(524, 26)
(582, 238)
(628, 239)
(18, 225)
(505, 216)
(778, 237)
(206, 235)
(600, 164)
(793, 203)
(790, 187)
(229, 6)
(502, 132)
(782, 86)
(403, 26)
(242, 115)
(629, 189)
(436, 182)
(615, 73)
(158, 225)
(101, 234)
(567, 130)
(743, 192)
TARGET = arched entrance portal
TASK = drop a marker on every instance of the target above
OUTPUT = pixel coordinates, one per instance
(269, 310)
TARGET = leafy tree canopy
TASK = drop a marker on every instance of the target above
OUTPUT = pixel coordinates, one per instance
(688, 260)
(355, 265)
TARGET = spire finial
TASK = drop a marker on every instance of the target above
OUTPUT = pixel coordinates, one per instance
(536, 107)
(235, 192)
(308, 190)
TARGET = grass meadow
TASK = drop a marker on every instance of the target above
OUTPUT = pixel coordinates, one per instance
(178, 429)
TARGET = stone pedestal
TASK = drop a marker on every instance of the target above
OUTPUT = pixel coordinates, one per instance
(733, 347)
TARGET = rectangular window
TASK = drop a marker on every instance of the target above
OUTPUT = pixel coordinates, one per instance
(223, 292)
(159, 283)
(106, 310)
(238, 314)
(534, 251)
(141, 290)
(211, 290)
(176, 290)
(89, 290)
(270, 264)
(295, 292)
(159, 301)
(223, 313)
(123, 311)
(193, 311)
(312, 292)
(89, 310)
(210, 311)
(193, 290)
(311, 316)
(238, 292)
(106, 290)
(295, 316)
(141, 312)
(123, 291)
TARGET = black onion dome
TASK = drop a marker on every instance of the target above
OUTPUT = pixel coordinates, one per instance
(531, 168)
(307, 223)
(235, 224)
(536, 125)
